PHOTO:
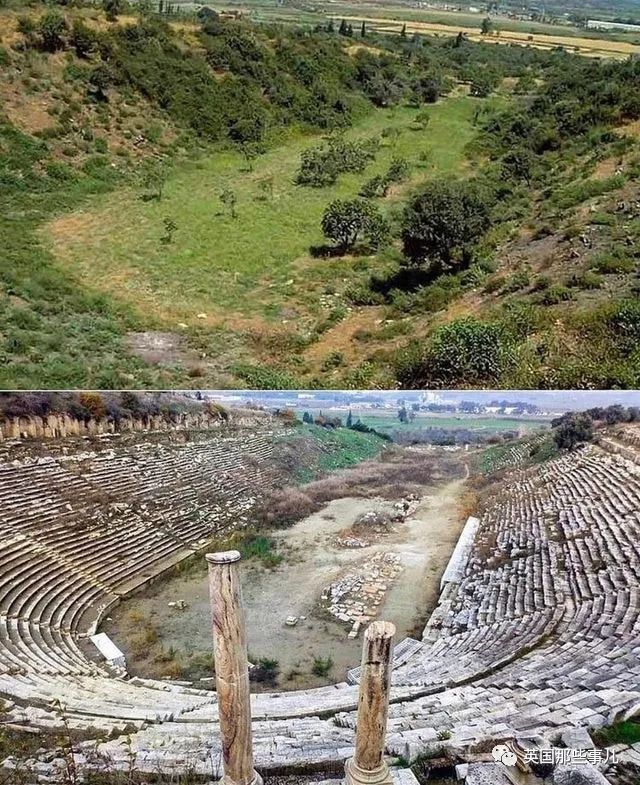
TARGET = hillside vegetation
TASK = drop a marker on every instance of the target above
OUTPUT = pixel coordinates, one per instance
(214, 203)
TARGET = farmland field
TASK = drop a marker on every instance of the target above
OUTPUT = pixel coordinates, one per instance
(387, 421)
(391, 17)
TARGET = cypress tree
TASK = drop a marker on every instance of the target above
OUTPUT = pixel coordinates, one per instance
(363, 30)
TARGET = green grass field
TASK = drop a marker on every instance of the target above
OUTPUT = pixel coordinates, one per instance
(221, 266)
(385, 421)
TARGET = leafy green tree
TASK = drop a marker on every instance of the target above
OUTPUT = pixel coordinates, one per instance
(443, 223)
(487, 26)
(52, 28)
(154, 178)
(517, 164)
(573, 430)
(345, 221)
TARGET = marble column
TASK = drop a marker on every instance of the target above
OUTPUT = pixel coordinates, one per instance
(232, 672)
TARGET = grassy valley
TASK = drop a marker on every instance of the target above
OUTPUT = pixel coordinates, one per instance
(209, 202)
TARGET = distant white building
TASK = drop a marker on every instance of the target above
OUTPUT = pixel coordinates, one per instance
(599, 24)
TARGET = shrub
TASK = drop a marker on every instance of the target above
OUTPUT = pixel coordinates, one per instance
(517, 281)
(321, 666)
(51, 29)
(398, 171)
(377, 186)
(82, 39)
(345, 221)
(625, 320)
(494, 284)
(556, 293)
(573, 430)
(466, 352)
(362, 295)
(586, 280)
(94, 404)
(265, 671)
(541, 283)
(613, 263)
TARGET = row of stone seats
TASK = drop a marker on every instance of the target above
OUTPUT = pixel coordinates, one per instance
(543, 630)
(461, 715)
(71, 546)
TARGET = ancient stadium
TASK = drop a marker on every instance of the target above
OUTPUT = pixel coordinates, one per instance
(534, 639)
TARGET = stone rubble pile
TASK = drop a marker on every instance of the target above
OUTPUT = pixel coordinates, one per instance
(356, 598)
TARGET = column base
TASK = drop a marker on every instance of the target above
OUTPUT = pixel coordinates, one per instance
(354, 775)
(257, 780)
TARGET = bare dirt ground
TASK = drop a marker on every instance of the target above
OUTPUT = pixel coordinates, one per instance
(312, 561)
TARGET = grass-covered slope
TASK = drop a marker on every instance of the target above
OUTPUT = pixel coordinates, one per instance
(157, 232)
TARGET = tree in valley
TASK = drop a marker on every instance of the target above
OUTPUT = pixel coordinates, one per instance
(346, 221)
(443, 223)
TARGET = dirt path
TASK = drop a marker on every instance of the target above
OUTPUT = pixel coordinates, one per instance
(313, 561)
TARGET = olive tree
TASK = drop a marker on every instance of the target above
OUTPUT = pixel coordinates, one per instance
(345, 221)
(444, 222)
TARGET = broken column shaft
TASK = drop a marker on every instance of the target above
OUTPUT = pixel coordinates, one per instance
(368, 767)
(232, 672)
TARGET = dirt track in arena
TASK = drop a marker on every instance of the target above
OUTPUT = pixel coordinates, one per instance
(424, 543)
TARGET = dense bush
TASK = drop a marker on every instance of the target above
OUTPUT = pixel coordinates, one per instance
(320, 166)
(573, 430)
(467, 352)
(443, 223)
(347, 221)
